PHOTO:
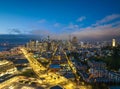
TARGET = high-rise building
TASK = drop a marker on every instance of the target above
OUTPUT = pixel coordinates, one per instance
(82, 44)
(36, 44)
(113, 42)
(52, 45)
(32, 43)
(49, 46)
(74, 41)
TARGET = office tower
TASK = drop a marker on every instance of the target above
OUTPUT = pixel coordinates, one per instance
(82, 44)
(36, 44)
(75, 41)
(113, 42)
(48, 44)
(32, 44)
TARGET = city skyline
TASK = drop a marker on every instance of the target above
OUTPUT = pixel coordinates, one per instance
(59, 44)
(59, 18)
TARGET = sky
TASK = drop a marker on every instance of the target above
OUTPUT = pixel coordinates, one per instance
(86, 19)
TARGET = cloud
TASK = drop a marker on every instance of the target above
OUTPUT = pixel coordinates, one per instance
(39, 32)
(107, 31)
(42, 21)
(102, 30)
(81, 18)
(56, 25)
(14, 31)
(70, 27)
(43, 33)
(107, 19)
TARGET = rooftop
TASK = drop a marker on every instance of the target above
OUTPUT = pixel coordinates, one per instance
(54, 66)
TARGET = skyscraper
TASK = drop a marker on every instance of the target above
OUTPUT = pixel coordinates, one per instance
(113, 42)
(48, 44)
(75, 41)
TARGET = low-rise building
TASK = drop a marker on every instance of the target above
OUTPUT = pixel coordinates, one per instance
(95, 64)
(54, 67)
(114, 76)
(7, 67)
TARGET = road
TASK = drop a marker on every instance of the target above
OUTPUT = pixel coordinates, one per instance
(74, 70)
(49, 77)
(10, 81)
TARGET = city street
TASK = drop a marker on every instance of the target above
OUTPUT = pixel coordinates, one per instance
(49, 77)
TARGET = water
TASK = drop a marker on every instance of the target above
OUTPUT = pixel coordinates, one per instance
(9, 41)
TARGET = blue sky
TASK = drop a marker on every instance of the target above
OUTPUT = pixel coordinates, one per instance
(59, 18)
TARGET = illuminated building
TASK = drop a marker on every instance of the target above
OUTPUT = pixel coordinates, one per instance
(82, 44)
(48, 44)
(52, 45)
(7, 67)
(32, 44)
(75, 41)
(68, 45)
(113, 42)
(36, 44)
